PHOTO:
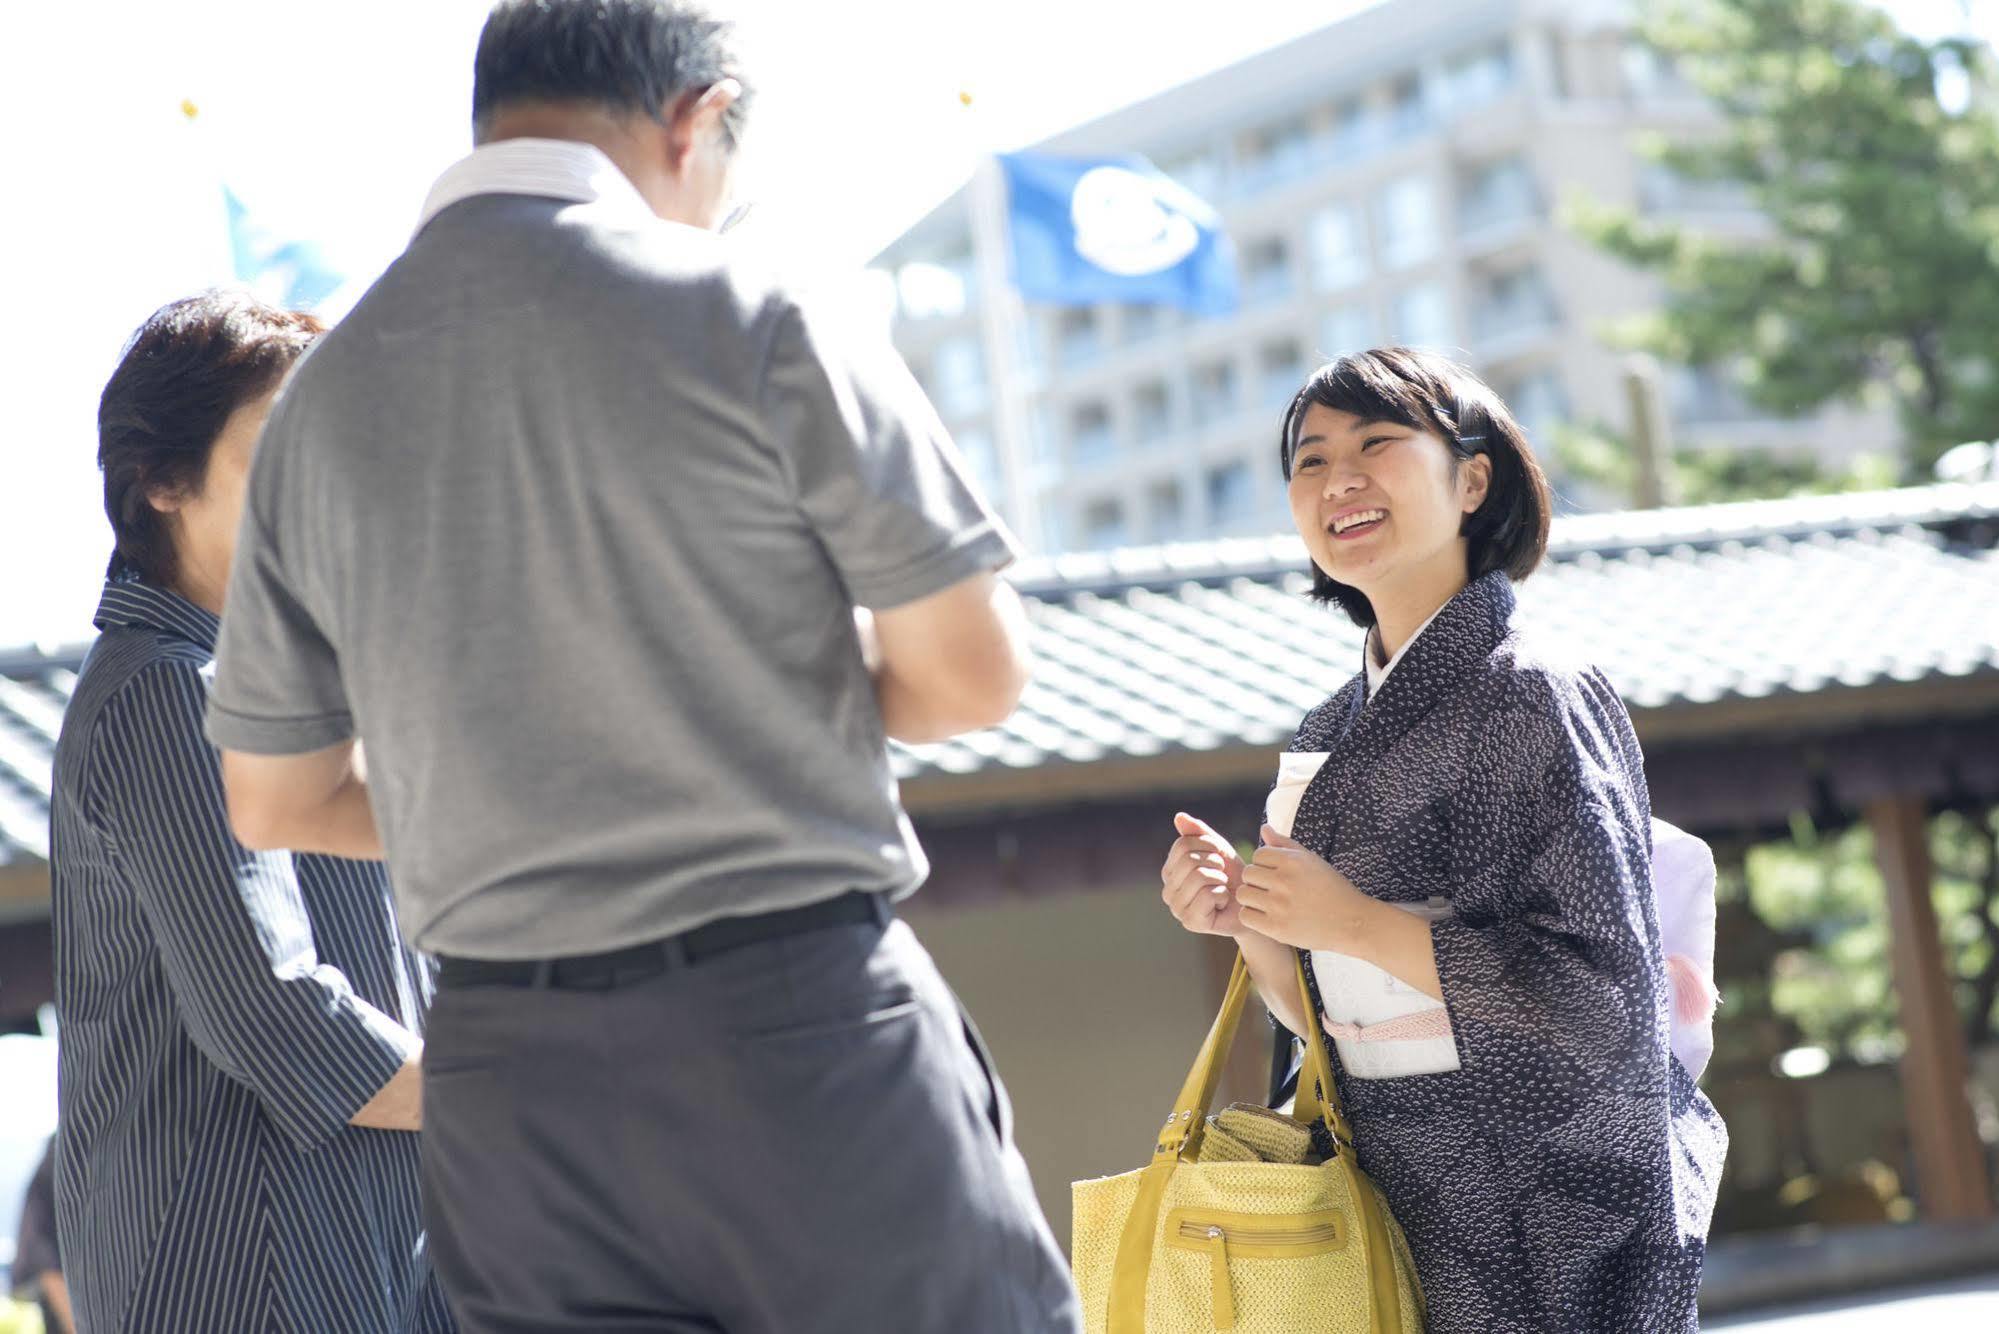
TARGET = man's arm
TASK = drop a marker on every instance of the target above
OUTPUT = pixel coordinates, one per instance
(315, 802)
(952, 662)
(54, 1292)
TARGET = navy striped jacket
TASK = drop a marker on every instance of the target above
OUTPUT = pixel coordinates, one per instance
(223, 1013)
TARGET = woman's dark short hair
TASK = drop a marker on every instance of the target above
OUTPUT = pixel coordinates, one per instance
(633, 57)
(190, 365)
(1509, 530)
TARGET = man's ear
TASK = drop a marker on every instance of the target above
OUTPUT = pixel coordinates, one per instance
(695, 118)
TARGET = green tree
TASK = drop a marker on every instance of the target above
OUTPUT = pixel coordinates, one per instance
(1601, 457)
(1875, 157)
(1818, 954)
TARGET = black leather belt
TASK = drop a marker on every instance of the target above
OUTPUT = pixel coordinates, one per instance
(618, 968)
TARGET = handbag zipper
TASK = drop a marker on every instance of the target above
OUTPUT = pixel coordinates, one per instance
(1319, 1235)
(1251, 1242)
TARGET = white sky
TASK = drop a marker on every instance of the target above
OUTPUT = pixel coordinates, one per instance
(331, 118)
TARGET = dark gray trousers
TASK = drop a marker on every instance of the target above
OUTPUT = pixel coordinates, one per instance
(801, 1136)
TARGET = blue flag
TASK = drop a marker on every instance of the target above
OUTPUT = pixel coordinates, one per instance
(1114, 229)
(289, 273)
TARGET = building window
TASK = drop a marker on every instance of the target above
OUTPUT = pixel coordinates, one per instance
(1421, 316)
(1514, 303)
(1078, 336)
(1104, 525)
(1266, 270)
(958, 376)
(1348, 328)
(1200, 172)
(1152, 411)
(1664, 190)
(1475, 77)
(1355, 129)
(1214, 396)
(1540, 403)
(1496, 194)
(1407, 223)
(1280, 372)
(980, 456)
(1231, 495)
(1275, 153)
(1707, 396)
(1408, 109)
(935, 290)
(1338, 240)
(1091, 439)
(1166, 508)
(1651, 73)
(1139, 324)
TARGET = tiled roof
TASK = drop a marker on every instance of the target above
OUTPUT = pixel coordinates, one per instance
(34, 690)
(1208, 646)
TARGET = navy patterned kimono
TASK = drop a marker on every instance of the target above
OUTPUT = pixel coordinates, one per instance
(1562, 1178)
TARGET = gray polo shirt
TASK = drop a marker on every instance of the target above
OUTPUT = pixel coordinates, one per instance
(566, 522)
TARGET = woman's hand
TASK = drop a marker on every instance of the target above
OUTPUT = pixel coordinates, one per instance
(1291, 894)
(1199, 880)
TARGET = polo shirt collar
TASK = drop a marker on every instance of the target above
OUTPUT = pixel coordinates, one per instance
(550, 168)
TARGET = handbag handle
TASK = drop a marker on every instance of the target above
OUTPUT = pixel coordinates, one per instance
(1318, 1097)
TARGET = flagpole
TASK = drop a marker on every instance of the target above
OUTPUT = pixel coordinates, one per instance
(1001, 323)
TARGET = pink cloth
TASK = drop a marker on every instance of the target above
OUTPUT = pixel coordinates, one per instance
(1683, 887)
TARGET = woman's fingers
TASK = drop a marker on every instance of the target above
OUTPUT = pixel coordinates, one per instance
(1188, 852)
(1182, 851)
(1196, 907)
(1263, 875)
(1181, 888)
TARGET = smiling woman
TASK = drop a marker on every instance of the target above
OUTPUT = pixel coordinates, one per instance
(1408, 439)
(1459, 850)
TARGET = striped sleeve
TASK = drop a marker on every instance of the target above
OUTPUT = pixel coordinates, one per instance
(231, 926)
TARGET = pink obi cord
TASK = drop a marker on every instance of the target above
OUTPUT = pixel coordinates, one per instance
(1420, 1027)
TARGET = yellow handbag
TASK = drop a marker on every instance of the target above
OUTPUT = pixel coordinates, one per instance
(1197, 1241)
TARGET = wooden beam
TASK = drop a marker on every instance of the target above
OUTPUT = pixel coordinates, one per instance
(1950, 1162)
(24, 891)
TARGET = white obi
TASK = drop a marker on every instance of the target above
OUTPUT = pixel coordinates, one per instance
(1383, 1027)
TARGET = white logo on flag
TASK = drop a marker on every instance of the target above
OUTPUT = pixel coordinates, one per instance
(1123, 226)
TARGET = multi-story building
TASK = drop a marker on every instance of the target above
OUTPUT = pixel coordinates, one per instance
(1395, 177)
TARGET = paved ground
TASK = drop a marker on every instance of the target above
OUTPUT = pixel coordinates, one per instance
(1969, 1305)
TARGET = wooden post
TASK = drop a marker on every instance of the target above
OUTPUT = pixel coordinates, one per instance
(1951, 1177)
(1651, 434)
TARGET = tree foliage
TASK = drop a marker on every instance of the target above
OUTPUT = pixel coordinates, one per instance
(1813, 940)
(1874, 156)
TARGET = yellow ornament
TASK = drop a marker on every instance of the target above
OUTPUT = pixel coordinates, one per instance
(188, 108)
(964, 97)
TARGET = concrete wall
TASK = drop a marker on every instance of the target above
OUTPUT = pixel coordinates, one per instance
(1094, 1005)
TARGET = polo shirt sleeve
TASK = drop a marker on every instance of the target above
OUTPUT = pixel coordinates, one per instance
(872, 469)
(277, 681)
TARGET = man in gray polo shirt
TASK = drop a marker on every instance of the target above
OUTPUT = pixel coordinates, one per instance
(569, 522)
